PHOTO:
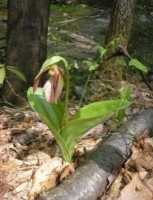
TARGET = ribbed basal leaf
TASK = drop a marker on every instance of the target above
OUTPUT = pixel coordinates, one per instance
(51, 114)
(89, 116)
(49, 63)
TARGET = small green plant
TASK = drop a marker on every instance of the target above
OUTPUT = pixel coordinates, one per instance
(115, 43)
(12, 69)
(137, 64)
(125, 93)
(93, 65)
(46, 102)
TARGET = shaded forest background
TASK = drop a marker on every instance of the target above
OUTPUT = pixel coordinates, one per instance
(58, 42)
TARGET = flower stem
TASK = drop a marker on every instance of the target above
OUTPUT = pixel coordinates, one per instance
(66, 94)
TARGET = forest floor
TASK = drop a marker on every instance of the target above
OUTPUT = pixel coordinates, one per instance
(30, 161)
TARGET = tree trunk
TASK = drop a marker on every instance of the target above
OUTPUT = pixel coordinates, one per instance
(114, 64)
(26, 41)
(121, 21)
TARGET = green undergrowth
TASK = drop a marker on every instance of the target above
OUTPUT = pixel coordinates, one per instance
(77, 10)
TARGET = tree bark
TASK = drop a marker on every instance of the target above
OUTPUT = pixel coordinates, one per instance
(121, 21)
(90, 180)
(26, 40)
(114, 62)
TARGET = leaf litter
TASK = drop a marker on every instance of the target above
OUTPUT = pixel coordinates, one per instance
(135, 180)
(30, 160)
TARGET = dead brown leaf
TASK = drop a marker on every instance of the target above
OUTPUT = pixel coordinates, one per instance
(69, 169)
(45, 177)
(138, 188)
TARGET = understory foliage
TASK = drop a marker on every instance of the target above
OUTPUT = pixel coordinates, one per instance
(68, 129)
(113, 45)
(12, 69)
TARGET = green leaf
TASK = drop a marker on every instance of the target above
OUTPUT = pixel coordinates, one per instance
(101, 51)
(92, 65)
(51, 114)
(138, 65)
(15, 71)
(2, 74)
(49, 62)
(88, 117)
(115, 42)
(125, 93)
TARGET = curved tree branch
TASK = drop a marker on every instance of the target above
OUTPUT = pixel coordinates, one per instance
(91, 179)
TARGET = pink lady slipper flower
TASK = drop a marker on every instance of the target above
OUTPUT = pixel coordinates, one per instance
(52, 89)
(54, 85)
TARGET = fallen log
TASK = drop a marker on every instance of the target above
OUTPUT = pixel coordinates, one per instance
(78, 38)
(91, 179)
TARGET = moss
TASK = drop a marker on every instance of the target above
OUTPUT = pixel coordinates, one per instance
(70, 9)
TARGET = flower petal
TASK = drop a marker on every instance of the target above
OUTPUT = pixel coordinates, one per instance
(53, 87)
(36, 83)
(47, 91)
(59, 86)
